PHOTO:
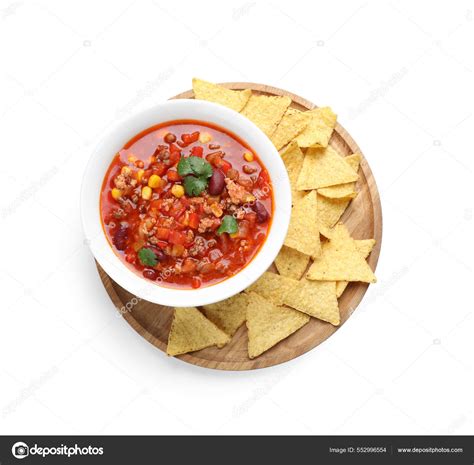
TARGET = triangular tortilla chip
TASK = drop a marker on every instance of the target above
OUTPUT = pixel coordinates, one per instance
(292, 123)
(234, 99)
(340, 260)
(353, 161)
(303, 233)
(324, 167)
(318, 131)
(191, 331)
(316, 298)
(272, 286)
(291, 263)
(293, 158)
(329, 211)
(268, 324)
(346, 190)
(364, 246)
(341, 191)
(229, 314)
(266, 111)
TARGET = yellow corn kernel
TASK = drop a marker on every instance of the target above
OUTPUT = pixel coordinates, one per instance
(132, 158)
(216, 210)
(249, 198)
(116, 193)
(126, 170)
(177, 190)
(140, 175)
(146, 193)
(205, 137)
(154, 181)
(248, 156)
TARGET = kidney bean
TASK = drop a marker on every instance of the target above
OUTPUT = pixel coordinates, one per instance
(121, 237)
(248, 169)
(261, 211)
(150, 274)
(170, 138)
(160, 255)
(216, 183)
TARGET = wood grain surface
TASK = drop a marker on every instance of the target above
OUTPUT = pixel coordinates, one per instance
(363, 218)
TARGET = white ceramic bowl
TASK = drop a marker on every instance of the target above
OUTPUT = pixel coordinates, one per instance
(169, 111)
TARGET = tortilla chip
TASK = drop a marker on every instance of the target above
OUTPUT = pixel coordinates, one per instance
(316, 298)
(291, 263)
(268, 324)
(341, 191)
(229, 314)
(191, 331)
(353, 161)
(340, 260)
(319, 130)
(324, 167)
(324, 231)
(303, 232)
(329, 211)
(347, 190)
(293, 157)
(272, 286)
(266, 111)
(292, 123)
(364, 247)
(234, 99)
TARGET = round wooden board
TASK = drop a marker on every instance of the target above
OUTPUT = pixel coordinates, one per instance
(363, 218)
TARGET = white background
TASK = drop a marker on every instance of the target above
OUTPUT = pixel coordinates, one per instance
(398, 74)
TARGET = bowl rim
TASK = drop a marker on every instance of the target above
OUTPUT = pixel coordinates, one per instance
(124, 130)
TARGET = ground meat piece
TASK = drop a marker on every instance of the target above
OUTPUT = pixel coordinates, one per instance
(199, 247)
(244, 246)
(207, 224)
(153, 240)
(239, 213)
(232, 174)
(167, 222)
(146, 227)
(189, 236)
(237, 193)
(166, 204)
(122, 182)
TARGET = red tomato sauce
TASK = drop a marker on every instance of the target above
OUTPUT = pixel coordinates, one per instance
(186, 204)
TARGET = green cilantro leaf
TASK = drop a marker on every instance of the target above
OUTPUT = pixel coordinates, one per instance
(194, 186)
(194, 165)
(228, 225)
(200, 167)
(184, 167)
(147, 257)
